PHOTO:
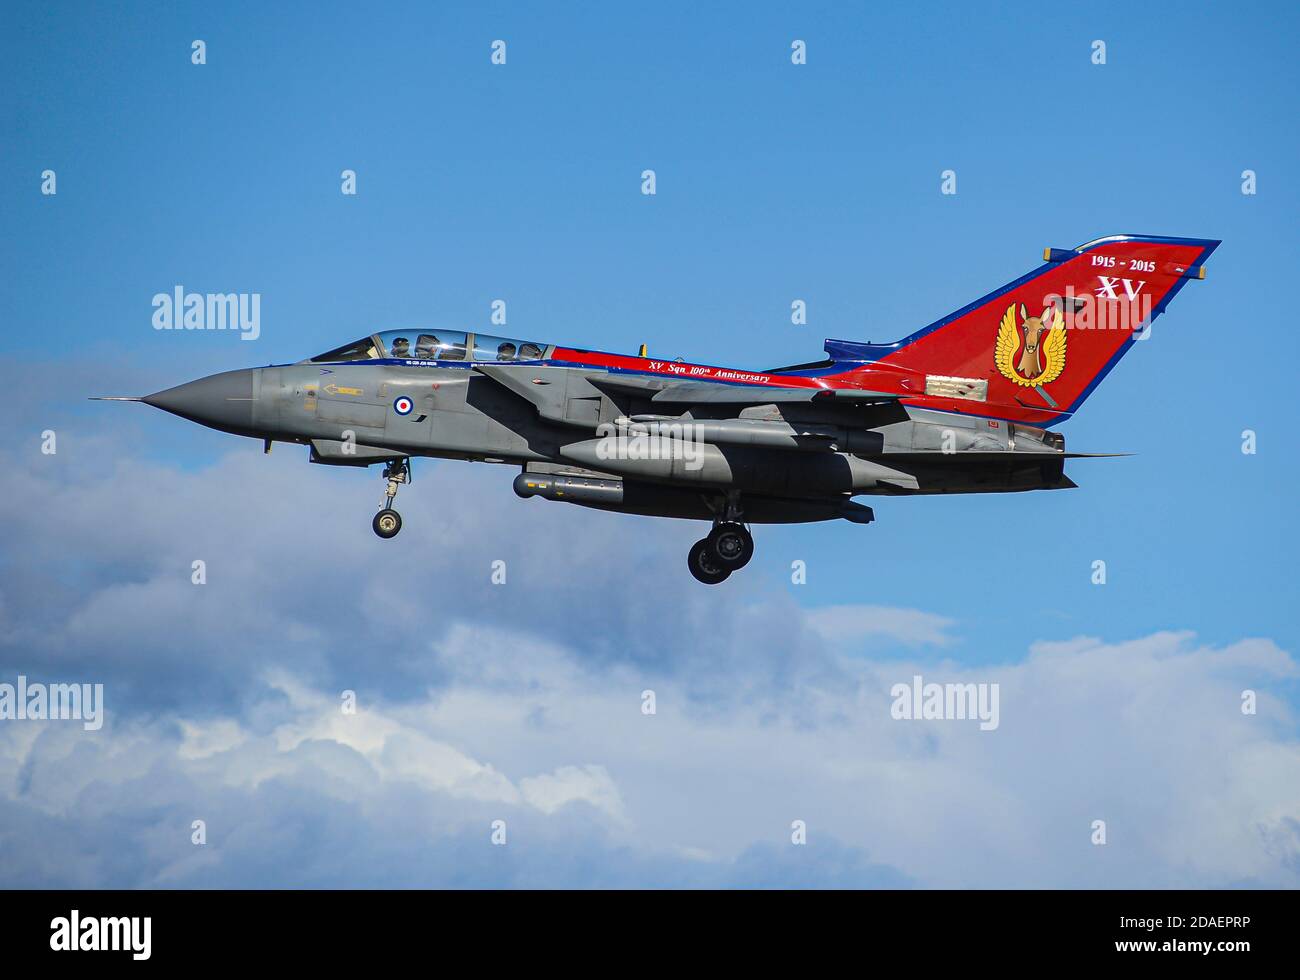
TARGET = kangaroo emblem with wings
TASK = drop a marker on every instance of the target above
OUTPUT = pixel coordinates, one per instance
(1042, 358)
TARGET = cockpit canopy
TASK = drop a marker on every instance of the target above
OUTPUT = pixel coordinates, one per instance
(435, 345)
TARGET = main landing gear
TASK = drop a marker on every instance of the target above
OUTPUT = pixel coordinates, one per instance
(728, 547)
(388, 521)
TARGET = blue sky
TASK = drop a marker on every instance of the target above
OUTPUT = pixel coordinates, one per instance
(522, 182)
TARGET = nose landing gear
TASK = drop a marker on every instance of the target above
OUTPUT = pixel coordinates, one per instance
(388, 521)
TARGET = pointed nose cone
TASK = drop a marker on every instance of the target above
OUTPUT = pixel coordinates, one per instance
(220, 401)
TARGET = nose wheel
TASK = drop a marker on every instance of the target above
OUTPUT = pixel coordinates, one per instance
(388, 521)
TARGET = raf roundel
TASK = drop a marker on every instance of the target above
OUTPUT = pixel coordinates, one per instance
(403, 406)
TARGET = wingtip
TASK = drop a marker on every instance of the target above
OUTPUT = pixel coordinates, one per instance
(115, 398)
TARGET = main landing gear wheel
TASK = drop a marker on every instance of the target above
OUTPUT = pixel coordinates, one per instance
(387, 523)
(732, 545)
(704, 566)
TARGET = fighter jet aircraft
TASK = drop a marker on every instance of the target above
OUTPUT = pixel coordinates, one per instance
(963, 405)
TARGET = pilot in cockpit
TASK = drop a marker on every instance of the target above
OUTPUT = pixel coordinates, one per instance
(401, 347)
(506, 352)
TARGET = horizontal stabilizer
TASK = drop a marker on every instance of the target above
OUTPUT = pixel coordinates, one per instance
(856, 513)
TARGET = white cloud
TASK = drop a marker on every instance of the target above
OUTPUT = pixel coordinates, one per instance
(1146, 734)
(847, 625)
(569, 784)
(200, 740)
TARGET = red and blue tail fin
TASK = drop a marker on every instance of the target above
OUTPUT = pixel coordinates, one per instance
(1036, 348)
